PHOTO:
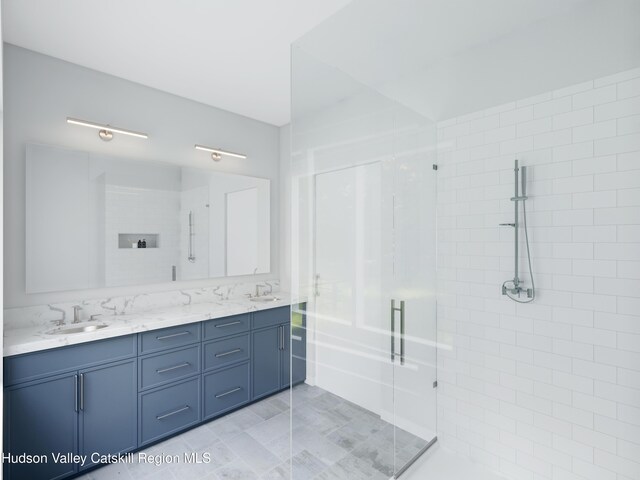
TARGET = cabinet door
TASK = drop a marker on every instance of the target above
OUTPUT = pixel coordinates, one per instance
(266, 361)
(41, 419)
(107, 404)
(298, 345)
(285, 357)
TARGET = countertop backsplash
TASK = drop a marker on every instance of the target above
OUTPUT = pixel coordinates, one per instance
(33, 316)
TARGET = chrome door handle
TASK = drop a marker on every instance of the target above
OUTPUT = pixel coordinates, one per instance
(234, 390)
(224, 354)
(228, 324)
(75, 392)
(395, 309)
(164, 337)
(160, 417)
(316, 286)
(82, 391)
(402, 332)
(169, 369)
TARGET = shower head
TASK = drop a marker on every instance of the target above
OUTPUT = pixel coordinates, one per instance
(523, 179)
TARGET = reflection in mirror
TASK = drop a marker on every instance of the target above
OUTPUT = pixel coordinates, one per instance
(96, 221)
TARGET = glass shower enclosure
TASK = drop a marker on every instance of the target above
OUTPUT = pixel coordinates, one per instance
(364, 261)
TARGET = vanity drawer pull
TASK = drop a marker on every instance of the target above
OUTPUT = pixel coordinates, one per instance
(228, 324)
(224, 354)
(160, 417)
(296, 338)
(234, 390)
(164, 337)
(182, 365)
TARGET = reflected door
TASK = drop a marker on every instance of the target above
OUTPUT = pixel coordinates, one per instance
(348, 319)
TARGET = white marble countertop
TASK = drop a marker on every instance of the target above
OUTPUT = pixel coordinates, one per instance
(35, 338)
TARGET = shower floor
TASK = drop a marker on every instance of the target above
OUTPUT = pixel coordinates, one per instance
(332, 439)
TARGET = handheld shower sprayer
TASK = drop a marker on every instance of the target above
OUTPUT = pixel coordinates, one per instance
(516, 289)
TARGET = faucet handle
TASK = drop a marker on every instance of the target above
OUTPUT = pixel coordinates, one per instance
(58, 322)
(94, 316)
(76, 313)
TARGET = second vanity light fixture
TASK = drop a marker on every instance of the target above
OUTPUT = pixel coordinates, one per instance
(106, 131)
(216, 153)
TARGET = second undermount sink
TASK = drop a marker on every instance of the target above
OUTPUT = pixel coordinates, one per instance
(77, 328)
(265, 299)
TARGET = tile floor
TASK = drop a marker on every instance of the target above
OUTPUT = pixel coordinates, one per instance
(332, 439)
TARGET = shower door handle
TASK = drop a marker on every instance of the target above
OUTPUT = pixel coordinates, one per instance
(392, 330)
(395, 309)
(316, 288)
(402, 332)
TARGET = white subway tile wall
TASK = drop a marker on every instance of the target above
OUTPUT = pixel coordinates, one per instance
(549, 390)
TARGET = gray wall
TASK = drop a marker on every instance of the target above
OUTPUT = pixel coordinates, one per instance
(41, 91)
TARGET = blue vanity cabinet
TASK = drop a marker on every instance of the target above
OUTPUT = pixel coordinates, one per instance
(89, 408)
(108, 410)
(40, 418)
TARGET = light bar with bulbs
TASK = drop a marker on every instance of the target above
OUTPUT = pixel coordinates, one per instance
(216, 153)
(106, 131)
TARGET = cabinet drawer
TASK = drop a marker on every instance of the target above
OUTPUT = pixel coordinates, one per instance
(226, 390)
(158, 369)
(171, 337)
(36, 365)
(226, 351)
(221, 327)
(169, 410)
(273, 316)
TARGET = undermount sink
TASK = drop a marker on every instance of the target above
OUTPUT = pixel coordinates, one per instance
(77, 328)
(265, 299)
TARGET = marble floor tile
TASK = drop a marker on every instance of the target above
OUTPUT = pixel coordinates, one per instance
(269, 408)
(236, 470)
(259, 459)
(306, 466)
(323, 437)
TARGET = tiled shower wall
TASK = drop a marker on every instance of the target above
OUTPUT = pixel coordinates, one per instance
(548, 390)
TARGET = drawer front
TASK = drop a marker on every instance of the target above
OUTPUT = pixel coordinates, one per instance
(221, 327)
(159, 369)
(32, 366)
(226, 390)
(169, 410)
(171, 337)
(226, 351)
(273, 316)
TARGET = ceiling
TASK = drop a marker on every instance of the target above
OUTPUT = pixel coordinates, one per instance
(232, 55)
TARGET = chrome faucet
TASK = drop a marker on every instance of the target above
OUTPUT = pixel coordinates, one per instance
(76, 313)
(258, 287)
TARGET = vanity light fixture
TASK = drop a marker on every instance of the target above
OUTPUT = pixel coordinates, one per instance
(216, 153)
(106, 131)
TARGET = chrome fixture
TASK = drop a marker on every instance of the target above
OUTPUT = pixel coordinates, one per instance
(76, 313)
(105, 132)
(516, 288)
(395, 309)
(216, 153)
(191, 257)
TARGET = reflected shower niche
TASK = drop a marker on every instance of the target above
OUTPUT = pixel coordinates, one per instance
(88, 215)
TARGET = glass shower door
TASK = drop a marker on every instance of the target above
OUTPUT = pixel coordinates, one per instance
(410, 282)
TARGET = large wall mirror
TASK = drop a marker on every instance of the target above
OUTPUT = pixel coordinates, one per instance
(95, 221)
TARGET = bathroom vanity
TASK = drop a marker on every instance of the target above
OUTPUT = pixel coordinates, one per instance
(122, 393)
